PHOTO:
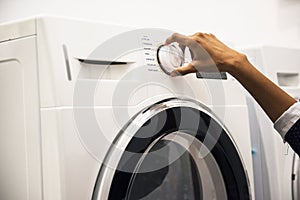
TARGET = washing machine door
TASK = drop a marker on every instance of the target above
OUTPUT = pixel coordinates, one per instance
(175, 149)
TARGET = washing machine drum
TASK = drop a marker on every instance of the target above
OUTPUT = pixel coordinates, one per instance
(173, 150)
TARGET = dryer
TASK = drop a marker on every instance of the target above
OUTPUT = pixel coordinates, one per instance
(87, 113)
(276, 166)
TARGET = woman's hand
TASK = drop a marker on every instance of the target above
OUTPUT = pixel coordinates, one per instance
(208, 54)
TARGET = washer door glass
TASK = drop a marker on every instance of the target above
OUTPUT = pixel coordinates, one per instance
(190, 176)
(173, 150)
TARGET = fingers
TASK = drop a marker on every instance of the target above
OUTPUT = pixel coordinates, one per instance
(189, 68)
(187, 40)
(182, 40)
(176, 37)
(195, 66)
(202, 47)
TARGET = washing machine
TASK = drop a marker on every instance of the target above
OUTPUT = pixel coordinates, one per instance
(87, 113)
(276, 166)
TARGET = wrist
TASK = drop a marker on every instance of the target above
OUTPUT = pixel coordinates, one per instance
(237, 64)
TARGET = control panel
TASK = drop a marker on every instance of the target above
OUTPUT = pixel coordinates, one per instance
(166, 58)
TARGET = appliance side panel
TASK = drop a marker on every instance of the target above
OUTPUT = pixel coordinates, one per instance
(20, 171)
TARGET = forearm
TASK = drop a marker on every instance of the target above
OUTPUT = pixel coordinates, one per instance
(269, 96)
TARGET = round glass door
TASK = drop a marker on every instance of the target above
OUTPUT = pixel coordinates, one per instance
(191, 176)
(173, 150)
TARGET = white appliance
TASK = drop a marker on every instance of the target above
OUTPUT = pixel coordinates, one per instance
(86, 113)
(276, 171)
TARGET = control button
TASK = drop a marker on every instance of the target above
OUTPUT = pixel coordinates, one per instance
(170, 57)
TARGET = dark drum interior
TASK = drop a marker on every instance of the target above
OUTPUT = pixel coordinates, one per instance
(180, 179)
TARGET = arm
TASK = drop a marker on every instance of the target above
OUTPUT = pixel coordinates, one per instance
(210, 54)
(269, 96)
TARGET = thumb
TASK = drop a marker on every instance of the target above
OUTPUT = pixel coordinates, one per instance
(187, 69)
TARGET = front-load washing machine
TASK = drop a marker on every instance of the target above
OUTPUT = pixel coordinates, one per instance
(87, 113)
(276, 166)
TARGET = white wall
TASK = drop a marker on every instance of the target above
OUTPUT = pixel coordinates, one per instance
(240, 22)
